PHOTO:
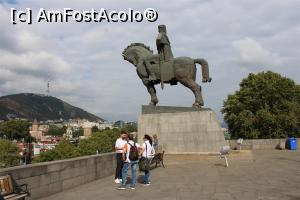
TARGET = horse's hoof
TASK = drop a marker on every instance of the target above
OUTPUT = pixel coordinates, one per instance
(152, 104)
(197, 105)
(206, 80)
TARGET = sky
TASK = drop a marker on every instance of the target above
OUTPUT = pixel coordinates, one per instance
(87, 70)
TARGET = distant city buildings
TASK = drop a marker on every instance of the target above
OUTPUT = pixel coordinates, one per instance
(119, 124)
(44, 141)
(37, 131)
(40, 129)
(105, 125)
(69, 134)
(87, 130)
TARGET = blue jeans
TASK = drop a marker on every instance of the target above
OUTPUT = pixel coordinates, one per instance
(133, 166)
(146, 177)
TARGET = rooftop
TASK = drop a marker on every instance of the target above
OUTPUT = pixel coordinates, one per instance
(260, 174)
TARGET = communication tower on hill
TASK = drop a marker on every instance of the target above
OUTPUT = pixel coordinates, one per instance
(48, 86)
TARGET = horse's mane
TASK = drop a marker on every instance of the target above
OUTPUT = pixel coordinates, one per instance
(137, 44)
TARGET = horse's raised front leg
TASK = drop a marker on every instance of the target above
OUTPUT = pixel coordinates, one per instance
(196, 89)
(152, 91)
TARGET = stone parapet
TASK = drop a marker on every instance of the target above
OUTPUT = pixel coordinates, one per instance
(48, 178)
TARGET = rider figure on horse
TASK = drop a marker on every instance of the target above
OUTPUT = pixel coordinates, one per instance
(164, 51)
(163, 68)
(163, 44)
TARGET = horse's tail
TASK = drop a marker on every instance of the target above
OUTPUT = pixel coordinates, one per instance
(205, 69)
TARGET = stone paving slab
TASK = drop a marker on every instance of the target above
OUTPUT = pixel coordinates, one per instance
(260, 174)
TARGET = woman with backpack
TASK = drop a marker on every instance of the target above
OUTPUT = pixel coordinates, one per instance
(148, 153)
(131, 159)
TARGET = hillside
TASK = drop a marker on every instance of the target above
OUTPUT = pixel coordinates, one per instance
(41, 107)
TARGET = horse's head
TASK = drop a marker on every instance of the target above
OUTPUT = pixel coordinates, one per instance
(136, 51)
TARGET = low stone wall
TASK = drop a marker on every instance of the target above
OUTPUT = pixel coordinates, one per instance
(48, 178)
(259, 144)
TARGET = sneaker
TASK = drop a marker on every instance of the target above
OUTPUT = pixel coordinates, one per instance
(146, 184)
(132, 187)
(122, 188)
(117, 181)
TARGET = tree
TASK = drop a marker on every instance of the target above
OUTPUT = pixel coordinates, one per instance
(130, 127)
(95, 129)
(266, 106)
(78, 132)
(56, 131)
(9, 154)
(28, 138)
(14, 129)
(63, 150)
(102, 141)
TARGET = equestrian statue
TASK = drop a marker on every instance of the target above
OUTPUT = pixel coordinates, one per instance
(164, 68)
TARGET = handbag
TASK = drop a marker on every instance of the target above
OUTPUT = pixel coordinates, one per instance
(144, 164)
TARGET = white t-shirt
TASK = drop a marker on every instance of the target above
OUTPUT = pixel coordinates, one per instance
(149, 151)
(120, 144)
(127, 149)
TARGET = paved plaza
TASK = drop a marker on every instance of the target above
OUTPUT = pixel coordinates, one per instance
(260, 174)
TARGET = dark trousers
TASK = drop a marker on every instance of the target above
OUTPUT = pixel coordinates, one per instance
(119, 165)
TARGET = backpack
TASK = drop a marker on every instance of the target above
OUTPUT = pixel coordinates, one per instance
(133, 153)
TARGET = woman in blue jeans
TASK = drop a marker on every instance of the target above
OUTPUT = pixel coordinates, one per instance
(148, 153)
(128, 163)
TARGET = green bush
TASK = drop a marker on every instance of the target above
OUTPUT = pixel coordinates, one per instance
(132, 127)
(63, 150)
(102, 142)
(266, 106)
(9, 154)
(14, 129)
(77, 133)
(56, 131)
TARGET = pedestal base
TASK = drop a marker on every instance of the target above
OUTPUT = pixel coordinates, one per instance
(182, 130)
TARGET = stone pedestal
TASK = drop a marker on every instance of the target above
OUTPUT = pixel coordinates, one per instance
(182, 129)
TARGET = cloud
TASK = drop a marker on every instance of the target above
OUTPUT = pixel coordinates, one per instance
(39, 63)
(253, 53)
(8, 1)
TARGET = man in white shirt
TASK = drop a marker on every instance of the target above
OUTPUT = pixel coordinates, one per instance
(120, 142)
(131, 158)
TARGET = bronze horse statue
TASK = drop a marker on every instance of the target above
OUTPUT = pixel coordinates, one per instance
(179, 69)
